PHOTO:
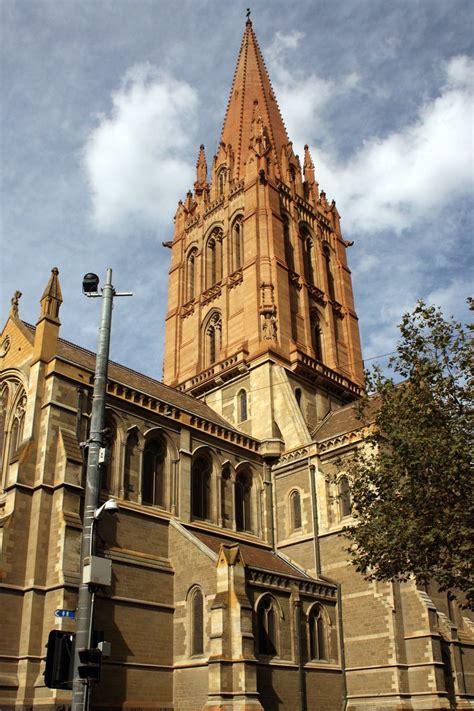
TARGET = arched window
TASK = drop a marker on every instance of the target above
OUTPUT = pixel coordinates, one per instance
(237, 243)
(316, 336)
(298, 397)
(197, 622)
(345, 496)
(214, 258)
(110, 437)
(200, 487)
(16, 431)
(132, 464)
(243, 489)
(308, 255)
(267, 624)
(191, 275)
(226, 498)
(295, 510)
(242, 399)
(289, 251)
(213, 337)
(221, 177)
(3, 419)
(153, 472)
(329, 274)
(317, 629)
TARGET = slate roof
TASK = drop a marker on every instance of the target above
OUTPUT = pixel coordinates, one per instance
(255, 556)
(143, 383)
(343, 420)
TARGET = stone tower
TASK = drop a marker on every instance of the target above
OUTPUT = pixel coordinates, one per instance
(261, 320)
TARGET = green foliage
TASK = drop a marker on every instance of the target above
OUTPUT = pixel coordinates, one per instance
(411, 486)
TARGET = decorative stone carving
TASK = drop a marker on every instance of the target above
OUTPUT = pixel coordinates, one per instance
(14, 301)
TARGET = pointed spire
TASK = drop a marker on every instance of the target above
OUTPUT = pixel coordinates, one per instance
(201, 172)
(308, 166)
(52, 297)
(251, 84)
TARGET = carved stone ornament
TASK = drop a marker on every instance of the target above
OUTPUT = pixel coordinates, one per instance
(5, 346)
(269, 326)
(14, 303)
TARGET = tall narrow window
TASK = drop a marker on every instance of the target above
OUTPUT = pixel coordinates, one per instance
(318, 647)
(267, 622)
(214, 258)
(316, 336)
(191, 275)
(131, 470)
(308, 255)
(295, 507)
(298, 397)
(213, 337)
(200, 487)
(242, 399)
(289, 252)
(16, 432)
(226, 499)
(197, 623)
(237, 244)
(345, 496)
(221, 176)
(3, 420)
(243, 488)
(329, 274)
(153, 473)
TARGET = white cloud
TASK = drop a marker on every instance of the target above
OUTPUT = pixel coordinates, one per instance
(136, 157)
(302, 95)
(393, 182)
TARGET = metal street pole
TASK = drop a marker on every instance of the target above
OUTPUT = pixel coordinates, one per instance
(80, 688)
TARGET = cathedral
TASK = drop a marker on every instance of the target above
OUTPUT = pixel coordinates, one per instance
(231, 587)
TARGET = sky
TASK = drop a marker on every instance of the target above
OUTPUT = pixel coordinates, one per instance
(104, 104)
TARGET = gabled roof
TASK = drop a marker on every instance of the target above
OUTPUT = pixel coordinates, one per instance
(81, 356)
(344, 420)
(251, 84)
(255, 556)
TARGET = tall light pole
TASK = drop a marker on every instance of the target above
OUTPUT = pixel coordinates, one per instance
(80, 687)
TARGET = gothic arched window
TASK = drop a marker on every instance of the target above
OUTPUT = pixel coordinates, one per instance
(191, 275)
(242, 399)
(308, 254)
(132, 464)
(345, 496)
(3, 419)
(289, 251)
(16, 430)
(213, 338)
(317, 632)
(197, 622)
(237, 243)
(221, 177)
(316, 336)
(243, 489)
(295, 510)
(200, 487)
(267, 626)
(214, 258)
(329, 274)
(153, 483)
(298, 397)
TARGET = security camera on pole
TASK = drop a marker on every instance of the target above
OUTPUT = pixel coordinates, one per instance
(85, 658)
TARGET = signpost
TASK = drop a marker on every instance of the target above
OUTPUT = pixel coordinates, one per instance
(71, 614)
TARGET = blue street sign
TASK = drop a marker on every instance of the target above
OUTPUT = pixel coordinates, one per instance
(65, 613)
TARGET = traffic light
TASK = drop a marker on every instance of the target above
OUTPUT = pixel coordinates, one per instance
(90, 664)
(59, 660)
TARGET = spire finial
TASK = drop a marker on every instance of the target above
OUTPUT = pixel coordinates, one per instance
(52, 297)
(249, 21)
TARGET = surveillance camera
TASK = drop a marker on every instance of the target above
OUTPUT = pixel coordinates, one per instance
(90, 283)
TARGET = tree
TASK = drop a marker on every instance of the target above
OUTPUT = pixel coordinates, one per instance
(411, 484)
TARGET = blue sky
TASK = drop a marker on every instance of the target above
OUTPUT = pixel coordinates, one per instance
(104, 105)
